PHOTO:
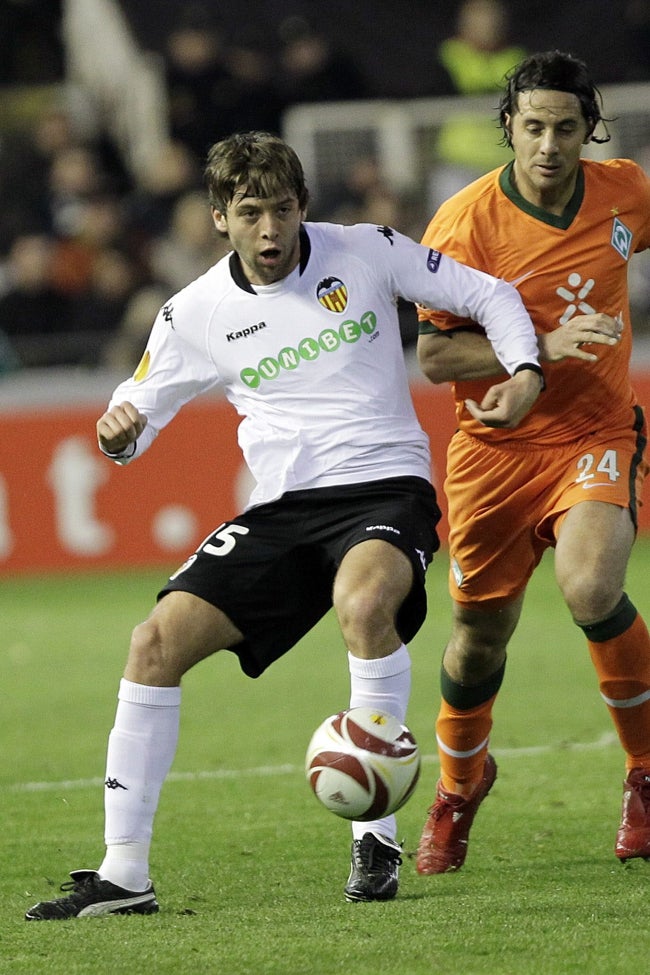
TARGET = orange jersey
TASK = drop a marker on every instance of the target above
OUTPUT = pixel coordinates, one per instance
(562, 266)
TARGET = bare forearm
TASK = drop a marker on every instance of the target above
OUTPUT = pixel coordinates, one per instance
(447, 357)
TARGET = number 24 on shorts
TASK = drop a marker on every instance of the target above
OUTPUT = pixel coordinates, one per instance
(588, 468)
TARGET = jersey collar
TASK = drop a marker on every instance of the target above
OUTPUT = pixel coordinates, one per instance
(237, 272)
(564, 221)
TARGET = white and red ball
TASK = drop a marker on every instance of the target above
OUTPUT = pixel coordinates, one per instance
(362, 764)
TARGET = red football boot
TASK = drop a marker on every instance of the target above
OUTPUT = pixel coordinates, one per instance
(443, 844)
(633, 837)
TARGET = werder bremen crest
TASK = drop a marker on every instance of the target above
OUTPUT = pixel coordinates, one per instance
(621, 238)
(332, 294)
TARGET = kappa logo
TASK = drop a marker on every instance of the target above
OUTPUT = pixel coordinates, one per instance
(388, 233)
(383, 528)
(114, 784)
(245, 332)
(332, 294)
(621, 238)
(168, 314)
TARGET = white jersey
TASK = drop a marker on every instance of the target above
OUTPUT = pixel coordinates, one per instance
(314, 363)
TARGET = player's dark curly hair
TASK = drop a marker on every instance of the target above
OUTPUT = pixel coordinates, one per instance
(259, 162)
(557, 71)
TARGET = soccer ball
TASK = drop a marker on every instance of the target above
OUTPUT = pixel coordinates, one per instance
(362, 764)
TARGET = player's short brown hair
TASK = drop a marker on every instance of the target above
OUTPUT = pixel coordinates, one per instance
(259, 162)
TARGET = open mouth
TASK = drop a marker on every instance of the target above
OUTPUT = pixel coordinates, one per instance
(271, 255)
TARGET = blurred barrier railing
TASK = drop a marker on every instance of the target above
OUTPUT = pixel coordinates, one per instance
(401, 134)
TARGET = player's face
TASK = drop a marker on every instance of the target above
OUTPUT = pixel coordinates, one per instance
(265, 234)
(547, 134)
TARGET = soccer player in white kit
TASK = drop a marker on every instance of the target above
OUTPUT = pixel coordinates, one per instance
(298, 326)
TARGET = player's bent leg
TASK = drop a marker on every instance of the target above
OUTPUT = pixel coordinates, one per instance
(372, 582)
(472, 673)
(594, 544)
(383, 684)
(181, 630)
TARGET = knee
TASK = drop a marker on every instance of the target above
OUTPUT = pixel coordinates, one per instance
(478, 644)
(590, 597)
(359, 607)
(149, 661)
(473, 660)
(367, 620)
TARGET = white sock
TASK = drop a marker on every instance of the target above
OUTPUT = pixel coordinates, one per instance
(141, 749)
(384, 684)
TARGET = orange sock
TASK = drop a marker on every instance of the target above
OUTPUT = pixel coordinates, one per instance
(620, 651)
(463, 731)
(462, 746)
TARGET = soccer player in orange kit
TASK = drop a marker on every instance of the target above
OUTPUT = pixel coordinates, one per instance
(562, 229)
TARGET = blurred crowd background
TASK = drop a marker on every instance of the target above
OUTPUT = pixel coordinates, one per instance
(91, 244)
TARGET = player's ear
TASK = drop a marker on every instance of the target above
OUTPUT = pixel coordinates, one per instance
(507, 127)
(219, 221)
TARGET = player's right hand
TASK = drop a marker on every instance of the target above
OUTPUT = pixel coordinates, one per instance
(119, 427)
(506, 404)
(570, 339)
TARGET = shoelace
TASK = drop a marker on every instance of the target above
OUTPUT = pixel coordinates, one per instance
(59, 907)
(79, 883)
(375, 856)
(443, 805)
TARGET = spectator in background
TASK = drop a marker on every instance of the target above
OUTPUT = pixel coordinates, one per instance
(215, 87)
(32, 311)
(636, 19)
(31, 48)
(92, 225)
(96, 313)
(195, 72)
(258, 102)
(190, 245)
(48, 163)
(124, 349)
(472, 62)
(25, 162)
(363, 196)
(150, 206)
(312, 69)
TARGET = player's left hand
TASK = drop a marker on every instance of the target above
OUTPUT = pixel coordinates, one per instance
(507, 403)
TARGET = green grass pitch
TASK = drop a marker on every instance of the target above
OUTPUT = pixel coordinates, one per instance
(248, 867)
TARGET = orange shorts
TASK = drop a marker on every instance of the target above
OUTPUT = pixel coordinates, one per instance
(505, 504)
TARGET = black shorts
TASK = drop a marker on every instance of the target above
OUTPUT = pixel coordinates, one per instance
(272, 569)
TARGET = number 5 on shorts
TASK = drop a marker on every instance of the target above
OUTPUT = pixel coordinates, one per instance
(226, 538)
